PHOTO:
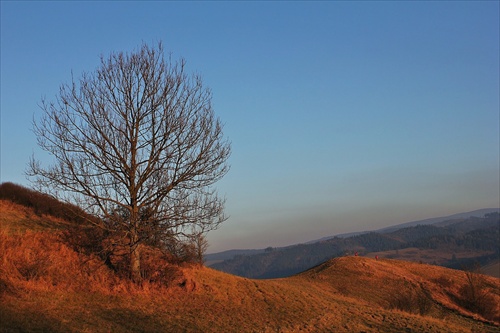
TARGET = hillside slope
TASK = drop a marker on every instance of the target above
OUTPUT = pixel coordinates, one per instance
(455, 244)
(46, 286)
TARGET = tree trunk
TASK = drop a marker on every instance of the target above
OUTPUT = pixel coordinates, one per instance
(135, 259)
(135, 265)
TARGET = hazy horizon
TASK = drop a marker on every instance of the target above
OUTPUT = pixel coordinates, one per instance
(369, 228)
(343, 116)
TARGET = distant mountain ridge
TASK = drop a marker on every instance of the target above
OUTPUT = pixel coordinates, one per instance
(433, 220)
(229, 254)
(455, 242)
(474, 213)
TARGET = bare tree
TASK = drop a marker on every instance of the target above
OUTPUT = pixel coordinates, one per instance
(136, 142)
(201, 245)
(475, 294)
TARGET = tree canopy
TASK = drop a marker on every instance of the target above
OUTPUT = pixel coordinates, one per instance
(137, 143)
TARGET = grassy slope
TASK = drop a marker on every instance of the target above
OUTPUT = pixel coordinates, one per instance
(349, 294)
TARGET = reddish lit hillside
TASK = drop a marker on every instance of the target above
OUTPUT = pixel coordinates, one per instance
(46, 286)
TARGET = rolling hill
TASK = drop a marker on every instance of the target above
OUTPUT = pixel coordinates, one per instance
(454, 243)
(46, 286)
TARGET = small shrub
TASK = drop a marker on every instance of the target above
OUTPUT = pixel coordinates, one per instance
(86, 239)
(424, 302)
(411, 300)
(443, 281)
(158, 268)
(476, 298)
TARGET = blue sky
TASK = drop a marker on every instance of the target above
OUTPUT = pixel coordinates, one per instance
(343, 116)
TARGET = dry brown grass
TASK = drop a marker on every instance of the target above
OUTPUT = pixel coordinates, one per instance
(380, 281)
(46, 286)
(15, 218)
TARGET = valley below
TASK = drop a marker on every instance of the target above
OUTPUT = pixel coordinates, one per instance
(463, 241)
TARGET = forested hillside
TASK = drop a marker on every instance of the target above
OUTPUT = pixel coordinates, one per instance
(457, 244)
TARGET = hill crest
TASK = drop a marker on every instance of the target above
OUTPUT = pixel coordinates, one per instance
(456, 243)
(44, 284)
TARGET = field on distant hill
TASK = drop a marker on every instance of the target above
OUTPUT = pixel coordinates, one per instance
(45, 286)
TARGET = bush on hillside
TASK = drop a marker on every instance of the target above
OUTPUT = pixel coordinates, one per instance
(43, 204)
(39, 260)
(411, 300)
(88, 237)
(475, 296)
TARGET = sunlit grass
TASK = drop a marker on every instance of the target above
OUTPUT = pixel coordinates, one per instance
(46, 286)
